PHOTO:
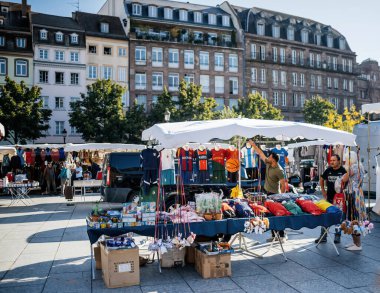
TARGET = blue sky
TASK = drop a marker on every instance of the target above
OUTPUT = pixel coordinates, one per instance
(357, 20)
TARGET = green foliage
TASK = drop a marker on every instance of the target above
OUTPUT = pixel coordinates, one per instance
(206, 110)
(345, 122)
(21, 112)
(318, 111)
(99, 114)
(157, 113)
(226, 113)
(136, 122)
(256, 107)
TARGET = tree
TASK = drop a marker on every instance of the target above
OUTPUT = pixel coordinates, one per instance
(136, 122)
(351, 118)
(157, 113)
(334, 120)
(256, 107)
(21, 112)
(99, 114)
(226, 113)
(317, 110)
(206, 110)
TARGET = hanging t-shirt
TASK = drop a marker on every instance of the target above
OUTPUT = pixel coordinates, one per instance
(282, 153)
(232, 154)
(249, 157)
(20, 153)
(218, 157)
(202, 157)
(167, 159)
(150, 159)
(185, 159)
(331, 175)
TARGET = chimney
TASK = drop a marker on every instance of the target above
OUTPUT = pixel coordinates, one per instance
(24, 8)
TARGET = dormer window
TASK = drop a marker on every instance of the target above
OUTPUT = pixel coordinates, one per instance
(318, 39)
(305, 36)
(20, 42)
(104, 27)
(168, 13)
(330, 42)
(226, 20)
(276, 31)
(260, 28)
(152, 11)
(43, 34)
(211, 18)
(342, 44)
(183, 15)
(1, 21)
(74, 39)
(4, 9)
(59, 37)
(2, 41)
(290, 33)
(198, 17)
(136, 9)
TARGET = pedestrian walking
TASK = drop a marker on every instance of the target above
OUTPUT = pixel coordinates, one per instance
(49, 176)
(65, 176)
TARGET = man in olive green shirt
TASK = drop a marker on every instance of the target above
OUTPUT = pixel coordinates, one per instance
(274, 178)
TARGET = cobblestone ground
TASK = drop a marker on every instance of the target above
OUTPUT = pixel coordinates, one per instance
(44, 248)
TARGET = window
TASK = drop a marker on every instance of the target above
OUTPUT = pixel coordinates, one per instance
(233, 63)
(173, 81)
(204, 60)
(219, 84)
(211, 18)
(212, 37)
(253, 51)
(319, 82)
(189, 78)
(92, 49)
(345, 103)
(21, 68)
(312, 81)
(336, 83)
(263, 75)
(275, 31)
(43, 53)
(136, 9)
(335, 63)
(351, 86)
(44, 76)
(283, 78)
(45, 102)
(345, 85)
(3, 66)
(318, 39)
(275, 77)
(59, 126)
(219, 104)
(122, 52)
(253, 75)
(274, 52)
(275, 98)
(59, 78)
(204, 81)
(168, 13)
(351, 103)
(198, 17)
(152, 11)
(294, 57)
(301, 58)
(226, 20)
(189, 59)
(173, 58)
(311, 59)
(294, 78)
(302, 79)
(74, 39)
(234, 86)
(329, 83)
(107, 51)
(74, 56)
(157, 57)
(319, 61)
(43, 34)
(157, 81)
(122, 74)
(154, 100)
(107, 72)
(290, 34)
(2, 41)
(219, 62)
(74, 78)
(59, 37)
(304, 36)
(140, 81)
(330, 42)
(59, 56)
(283, 99)
(295, 100)
(140, 55)
(349, 65)
(262, 52)
(59, 102)
(260, 29)
(264, 95)
(183, 15)
(329, 62)
(141, 100)
(92, 72)
(344, 64)
(232, 103)
(282, 55)
(73, 130)
(302, 100)
(20, 42)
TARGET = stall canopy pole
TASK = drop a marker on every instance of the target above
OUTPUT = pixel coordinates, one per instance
(369, 167)
(239, 174)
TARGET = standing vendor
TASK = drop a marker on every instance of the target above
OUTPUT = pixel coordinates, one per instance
(274, 178)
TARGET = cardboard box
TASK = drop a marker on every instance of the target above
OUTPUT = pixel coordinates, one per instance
(175, 257)
(121, 267)
(98, 261)
(212, 266)
(190, 255)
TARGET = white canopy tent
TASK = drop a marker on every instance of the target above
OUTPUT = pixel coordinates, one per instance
(103, 147)
(312, 143)
(4, 150)
(41, 146)
(373, 108)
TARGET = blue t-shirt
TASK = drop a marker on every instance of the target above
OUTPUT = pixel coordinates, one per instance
(282, 153)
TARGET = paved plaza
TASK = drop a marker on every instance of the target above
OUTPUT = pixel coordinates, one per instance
(44, 248)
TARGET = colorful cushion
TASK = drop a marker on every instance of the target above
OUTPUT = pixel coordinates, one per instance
(333, 209)
(242, 210)
(258, 209)
(277, 209)
(228, 212)
(323, 204)
(309, 207)
(293, 208)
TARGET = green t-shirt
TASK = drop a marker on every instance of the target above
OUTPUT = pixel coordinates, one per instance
(273, 176)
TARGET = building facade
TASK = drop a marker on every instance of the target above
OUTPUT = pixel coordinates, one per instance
(369, 82)
(16, 50)
(60, 70)
(171, 41)
(290, 59)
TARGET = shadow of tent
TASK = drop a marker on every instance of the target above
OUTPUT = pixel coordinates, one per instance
(77, 233)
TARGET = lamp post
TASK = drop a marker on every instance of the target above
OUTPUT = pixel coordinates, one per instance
(167, 115)
(64, 134)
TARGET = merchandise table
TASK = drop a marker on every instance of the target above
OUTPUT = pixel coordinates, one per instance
(20, 191)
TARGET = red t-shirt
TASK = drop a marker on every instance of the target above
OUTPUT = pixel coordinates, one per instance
(218, 158)
(232, 154)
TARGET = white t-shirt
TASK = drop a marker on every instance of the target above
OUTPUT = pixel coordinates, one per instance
(78, 172)
(167, 159)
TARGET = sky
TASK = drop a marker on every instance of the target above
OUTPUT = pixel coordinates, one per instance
(357, 20)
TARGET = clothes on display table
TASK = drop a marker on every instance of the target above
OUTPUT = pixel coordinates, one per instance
(168, 177)
(297, 159)
(320, 159)
(282, 153)
(28, 157)
(167, 159)
(232, 154)
(218, 167)
(150, 161)
(20, 154)
(331, 175)
(339, 150)
(202, 157)
(185, 160)
(249, 157)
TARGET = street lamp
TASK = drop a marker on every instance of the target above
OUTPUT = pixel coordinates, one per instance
(64, 134)
(167, 115)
